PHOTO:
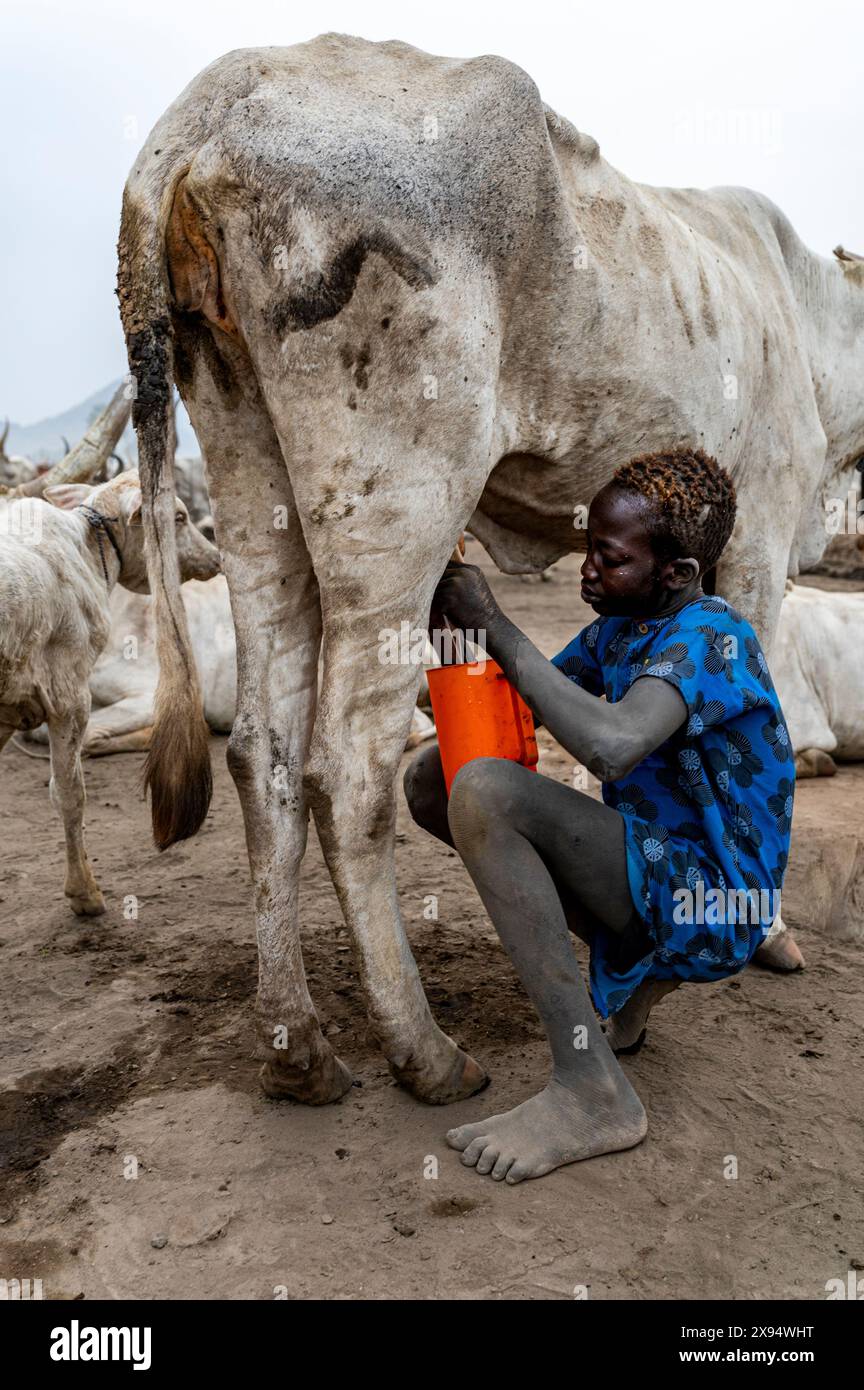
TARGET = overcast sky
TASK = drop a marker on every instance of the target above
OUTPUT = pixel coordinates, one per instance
(766, 93)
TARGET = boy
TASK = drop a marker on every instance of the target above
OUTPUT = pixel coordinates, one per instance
(697, 771)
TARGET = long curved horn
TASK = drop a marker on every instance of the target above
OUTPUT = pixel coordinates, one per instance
(89, 453)
(4, 436)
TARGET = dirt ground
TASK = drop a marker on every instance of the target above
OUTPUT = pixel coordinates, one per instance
(140, 1160)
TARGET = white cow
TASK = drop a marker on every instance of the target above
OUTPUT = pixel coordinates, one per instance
(124, 680)
(59, 560)
(818, 669)
(401, 296)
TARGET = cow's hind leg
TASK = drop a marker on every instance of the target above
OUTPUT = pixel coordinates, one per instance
(376, 575)
(65, 734)
(275, 606)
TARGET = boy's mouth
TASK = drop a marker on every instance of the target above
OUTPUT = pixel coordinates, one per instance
(590, 595)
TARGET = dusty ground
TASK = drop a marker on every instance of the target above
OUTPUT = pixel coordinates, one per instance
(128, 1042)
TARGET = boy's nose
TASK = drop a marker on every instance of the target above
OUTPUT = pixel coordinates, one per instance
(589, 570)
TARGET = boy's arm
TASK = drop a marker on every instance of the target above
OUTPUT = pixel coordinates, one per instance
(610, 739)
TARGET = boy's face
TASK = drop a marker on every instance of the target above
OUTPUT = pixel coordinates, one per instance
(621, 575)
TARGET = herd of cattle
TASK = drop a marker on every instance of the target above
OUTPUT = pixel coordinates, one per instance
(78, 663)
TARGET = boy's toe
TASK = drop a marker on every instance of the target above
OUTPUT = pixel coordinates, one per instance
(502, 1167)
(473, 1151)
(488, 1159)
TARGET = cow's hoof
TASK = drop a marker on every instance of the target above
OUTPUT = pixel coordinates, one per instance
(782, 953)
(319, 1085)
(87, 904)
(456, 1077)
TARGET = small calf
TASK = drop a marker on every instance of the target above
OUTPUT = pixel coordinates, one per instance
(59, 560)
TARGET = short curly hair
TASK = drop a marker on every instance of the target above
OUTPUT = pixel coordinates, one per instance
(692, 499)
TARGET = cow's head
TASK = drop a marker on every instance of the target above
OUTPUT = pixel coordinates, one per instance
(119, 501)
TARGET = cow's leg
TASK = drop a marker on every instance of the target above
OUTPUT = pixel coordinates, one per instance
(373, 589)
(276, 611)
(135, 741)
(65, 733)
(121, 727)
(751, 574)
(814, 762)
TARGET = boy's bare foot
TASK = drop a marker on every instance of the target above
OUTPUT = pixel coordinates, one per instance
(625, 1031)
(557, 1126)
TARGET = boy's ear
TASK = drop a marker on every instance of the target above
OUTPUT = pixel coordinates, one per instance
(682, 572)
(66, 496)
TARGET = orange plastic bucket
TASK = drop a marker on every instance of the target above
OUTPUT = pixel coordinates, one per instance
(478, 714)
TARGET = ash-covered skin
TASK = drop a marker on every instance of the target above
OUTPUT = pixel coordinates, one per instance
(545, 857)
(620, 575)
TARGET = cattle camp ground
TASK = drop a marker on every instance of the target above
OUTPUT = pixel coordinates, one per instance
(166, 1008)
(133, 1041)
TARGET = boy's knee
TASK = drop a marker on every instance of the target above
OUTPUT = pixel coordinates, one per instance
(484, 788)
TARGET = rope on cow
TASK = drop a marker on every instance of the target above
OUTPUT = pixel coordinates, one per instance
(29, 752)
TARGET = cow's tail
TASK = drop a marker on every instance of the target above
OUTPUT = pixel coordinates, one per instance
(177, 772)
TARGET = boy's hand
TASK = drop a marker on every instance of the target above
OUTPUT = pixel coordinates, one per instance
(464, 596)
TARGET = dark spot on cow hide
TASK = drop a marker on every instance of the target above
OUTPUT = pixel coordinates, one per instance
(312, 304)
(361, 376)
(193, 337)
(358, 359)
(708, 320)
(682, 310)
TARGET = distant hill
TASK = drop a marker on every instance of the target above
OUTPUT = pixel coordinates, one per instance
(43, 442)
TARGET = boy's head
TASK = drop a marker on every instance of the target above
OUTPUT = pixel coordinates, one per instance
(661, 522)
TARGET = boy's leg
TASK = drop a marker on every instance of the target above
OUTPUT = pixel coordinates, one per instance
(499, 812)
(625, 1031)
(426, 793)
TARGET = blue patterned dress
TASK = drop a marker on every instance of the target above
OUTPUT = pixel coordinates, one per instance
(711, 808)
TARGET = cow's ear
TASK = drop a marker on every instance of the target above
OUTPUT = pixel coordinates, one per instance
(132, 507)
(67, 495)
